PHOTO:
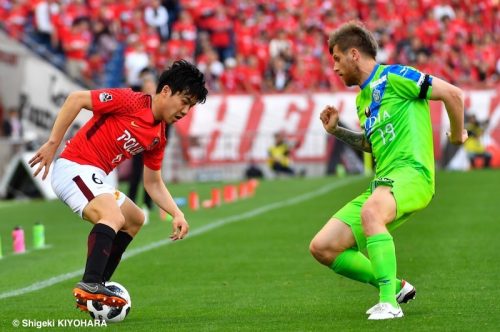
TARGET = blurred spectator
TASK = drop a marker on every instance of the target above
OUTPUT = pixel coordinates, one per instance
(279, 156)
(76, 44)
(229, 80)
(44, 11)
(16, 18)
(212, 68)
(221, 27)
(136, 59)
(151, 40)
(253, 171)
(280, 45)
(251, 76)
(474, 146)
(104, 42)
(186, 30)
(173, 8)
(278, 75)
(12, 125)
(442, 9)
(157, 16)
(13, 129)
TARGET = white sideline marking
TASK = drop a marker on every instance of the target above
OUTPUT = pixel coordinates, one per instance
(221, 222)
(8, 204)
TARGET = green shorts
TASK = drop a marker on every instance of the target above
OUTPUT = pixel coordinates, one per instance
(412, 192)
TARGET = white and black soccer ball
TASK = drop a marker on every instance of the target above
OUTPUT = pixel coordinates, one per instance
(109, 314)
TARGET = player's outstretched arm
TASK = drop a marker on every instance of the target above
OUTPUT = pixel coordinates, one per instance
(154, 185)
(69, 111)
(453, 99)
(330, 119)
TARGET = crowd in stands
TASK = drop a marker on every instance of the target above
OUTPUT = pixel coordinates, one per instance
(252, 46)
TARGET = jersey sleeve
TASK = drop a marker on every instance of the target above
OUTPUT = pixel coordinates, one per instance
(112, 100)
(410, 83)
(153, 158)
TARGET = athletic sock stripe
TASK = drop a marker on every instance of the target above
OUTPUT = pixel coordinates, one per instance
(83, 188)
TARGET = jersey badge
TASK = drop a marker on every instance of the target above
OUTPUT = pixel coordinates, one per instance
(105, 97)
(376, 95)
(155, 142)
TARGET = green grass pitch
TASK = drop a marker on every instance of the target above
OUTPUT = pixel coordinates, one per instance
(246, 266)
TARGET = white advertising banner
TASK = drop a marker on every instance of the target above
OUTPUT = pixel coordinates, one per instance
(43, 92)
(240, 127)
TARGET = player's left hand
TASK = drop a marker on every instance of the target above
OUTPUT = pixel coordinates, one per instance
(458, 140)
(180, 228)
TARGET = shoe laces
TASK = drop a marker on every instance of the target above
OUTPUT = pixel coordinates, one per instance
(381, 308)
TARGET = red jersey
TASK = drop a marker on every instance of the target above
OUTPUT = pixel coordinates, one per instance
(122, 126)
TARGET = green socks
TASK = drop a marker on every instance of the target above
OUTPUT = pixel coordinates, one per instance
(383, 260)
(354, 265)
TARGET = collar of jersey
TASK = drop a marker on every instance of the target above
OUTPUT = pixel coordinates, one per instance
(362, 86)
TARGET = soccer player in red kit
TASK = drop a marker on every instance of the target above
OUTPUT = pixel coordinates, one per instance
(124, 123)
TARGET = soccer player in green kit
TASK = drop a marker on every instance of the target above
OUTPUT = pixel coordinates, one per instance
(393, 110)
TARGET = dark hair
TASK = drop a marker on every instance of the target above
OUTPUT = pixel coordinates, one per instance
(353, 35)
(184, 77)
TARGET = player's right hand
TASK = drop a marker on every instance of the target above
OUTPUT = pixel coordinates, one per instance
(330, 119)
(458, 139)
(43, 158)
(180, 228)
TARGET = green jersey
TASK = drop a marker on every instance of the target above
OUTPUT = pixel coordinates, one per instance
(393, 109)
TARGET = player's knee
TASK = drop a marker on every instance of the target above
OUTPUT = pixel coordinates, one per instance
(321, 252)
(368, 214)
(118, 220)
(369, 217)
(136, 222)
(141, 219)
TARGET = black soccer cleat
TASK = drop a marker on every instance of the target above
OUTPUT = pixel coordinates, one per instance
(96, 291)
(407, 292)
(82, 305)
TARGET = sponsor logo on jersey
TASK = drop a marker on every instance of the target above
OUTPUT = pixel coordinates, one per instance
(378, 82)
(133, 124)
(105, 97)
(130, 143)
(368, 112)
(117, 159)
(376, 95)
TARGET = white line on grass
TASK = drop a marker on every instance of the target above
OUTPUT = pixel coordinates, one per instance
(221, 222)
(9, 204)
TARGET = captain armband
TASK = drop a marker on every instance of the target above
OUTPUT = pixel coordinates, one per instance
(425, 87)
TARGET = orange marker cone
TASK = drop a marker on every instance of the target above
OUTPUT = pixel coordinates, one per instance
(252, 184)
(194, 200)
(216, 197)
(234, 192)
(243, 190)
(226, 192)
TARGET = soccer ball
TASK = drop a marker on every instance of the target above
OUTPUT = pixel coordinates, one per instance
(100, 311)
